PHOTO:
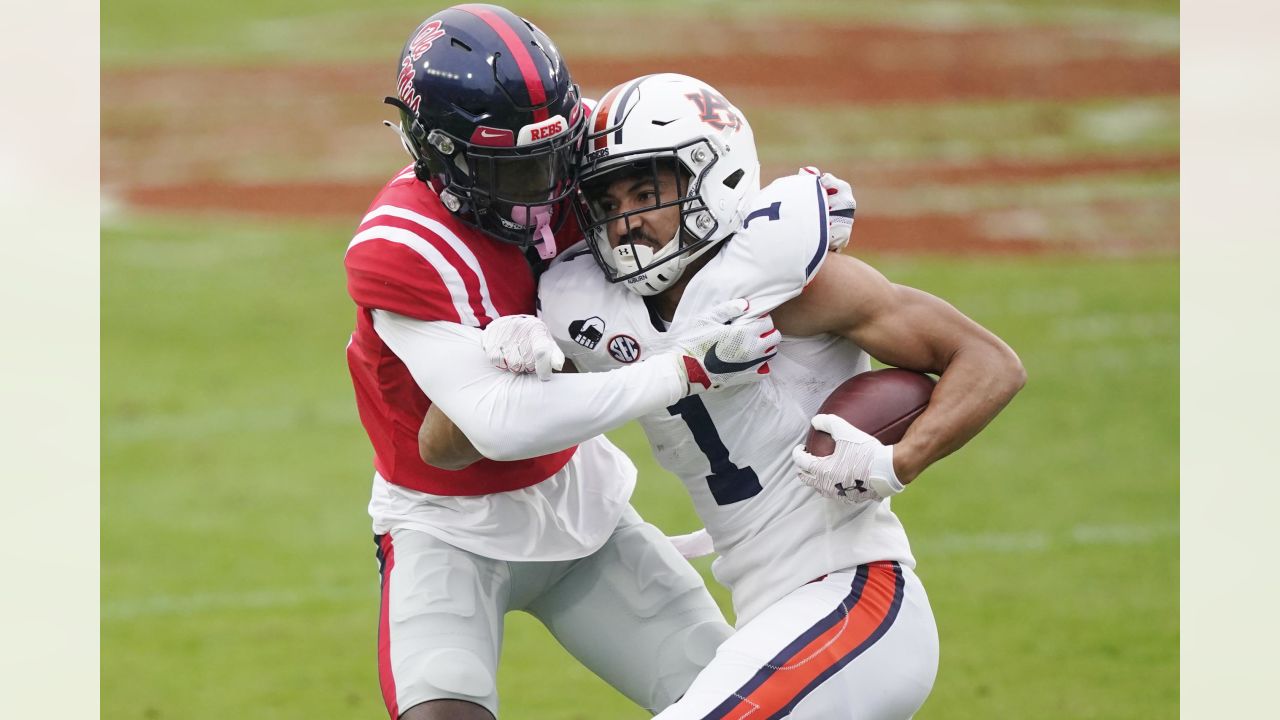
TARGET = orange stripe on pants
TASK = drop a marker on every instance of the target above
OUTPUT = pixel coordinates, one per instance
(826, 650)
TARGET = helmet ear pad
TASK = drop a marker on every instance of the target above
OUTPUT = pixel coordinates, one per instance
(413, 136)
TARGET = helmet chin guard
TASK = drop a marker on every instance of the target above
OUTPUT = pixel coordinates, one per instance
(661, 123)
(631, 259)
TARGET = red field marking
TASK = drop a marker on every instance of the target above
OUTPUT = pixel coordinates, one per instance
(986, 232)
(334, 198)
(190, 139)
(971, 234)
(823, 63)
(1004, 170)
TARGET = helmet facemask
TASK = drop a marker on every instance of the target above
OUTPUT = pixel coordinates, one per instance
(659, 179)
(511, 193)
(514, 192)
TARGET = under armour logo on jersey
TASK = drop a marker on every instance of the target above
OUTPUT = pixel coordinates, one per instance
(587, 333)
(715, 110)
(624, 348)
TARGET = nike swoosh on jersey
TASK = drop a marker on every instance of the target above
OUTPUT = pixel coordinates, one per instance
(713, 362)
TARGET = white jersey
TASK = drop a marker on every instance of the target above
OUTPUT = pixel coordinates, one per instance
(569, 515)
(732, 448)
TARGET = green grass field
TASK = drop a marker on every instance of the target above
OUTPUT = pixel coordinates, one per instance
(238, 576)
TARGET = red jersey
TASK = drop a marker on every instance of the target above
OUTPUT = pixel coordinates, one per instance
(412, 257)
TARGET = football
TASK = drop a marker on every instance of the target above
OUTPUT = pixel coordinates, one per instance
(881, 403)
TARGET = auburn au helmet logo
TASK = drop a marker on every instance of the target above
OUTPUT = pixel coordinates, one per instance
(715, 110)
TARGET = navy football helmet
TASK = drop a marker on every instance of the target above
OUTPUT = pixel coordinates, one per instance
(493, 121)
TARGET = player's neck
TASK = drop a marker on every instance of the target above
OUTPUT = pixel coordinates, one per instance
(666, 302)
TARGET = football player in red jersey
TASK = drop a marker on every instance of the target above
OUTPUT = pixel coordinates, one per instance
(493, 121)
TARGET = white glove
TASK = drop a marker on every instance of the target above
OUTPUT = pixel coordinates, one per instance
(860, 469)
(841, 207)
(522, 344)
(693, 545)
(726, 347)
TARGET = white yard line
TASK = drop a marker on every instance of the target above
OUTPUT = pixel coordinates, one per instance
(199, 603)
(1121, 535)
(203, 423)
(1043, 541)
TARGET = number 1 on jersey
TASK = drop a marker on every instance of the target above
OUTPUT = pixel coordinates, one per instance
(728, 482)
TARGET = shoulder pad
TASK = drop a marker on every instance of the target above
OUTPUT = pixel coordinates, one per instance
(568, 292)
(776, 252)
(406, 272)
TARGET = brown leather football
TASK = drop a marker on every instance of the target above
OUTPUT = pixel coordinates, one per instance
(882, 403)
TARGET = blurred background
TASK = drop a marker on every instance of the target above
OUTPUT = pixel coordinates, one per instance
(1018, 158)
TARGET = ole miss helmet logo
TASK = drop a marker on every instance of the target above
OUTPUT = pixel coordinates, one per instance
(423, 40)
(715, 110)
(420, 43)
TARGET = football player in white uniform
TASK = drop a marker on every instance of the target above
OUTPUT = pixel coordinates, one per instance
(832, 621)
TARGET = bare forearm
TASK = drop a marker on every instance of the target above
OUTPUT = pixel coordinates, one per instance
(442, 444)
(975, 386)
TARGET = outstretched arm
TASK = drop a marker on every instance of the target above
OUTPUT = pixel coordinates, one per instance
(442, 444)
(909, 328)
(508, 416)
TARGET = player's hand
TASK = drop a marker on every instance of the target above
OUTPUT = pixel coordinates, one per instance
(726, 347)
(693, 545)
(860, 469)
(841, 207)
(522, 344)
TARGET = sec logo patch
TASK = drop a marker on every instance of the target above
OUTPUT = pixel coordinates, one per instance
(624, 348)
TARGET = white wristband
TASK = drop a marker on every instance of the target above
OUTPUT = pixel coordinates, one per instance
(881, 476)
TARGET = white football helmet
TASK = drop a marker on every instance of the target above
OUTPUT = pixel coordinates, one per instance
(667, 120)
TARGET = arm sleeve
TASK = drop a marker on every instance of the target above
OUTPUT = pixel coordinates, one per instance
(512, 417)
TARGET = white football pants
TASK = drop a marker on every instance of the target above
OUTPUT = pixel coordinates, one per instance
(860, 643)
